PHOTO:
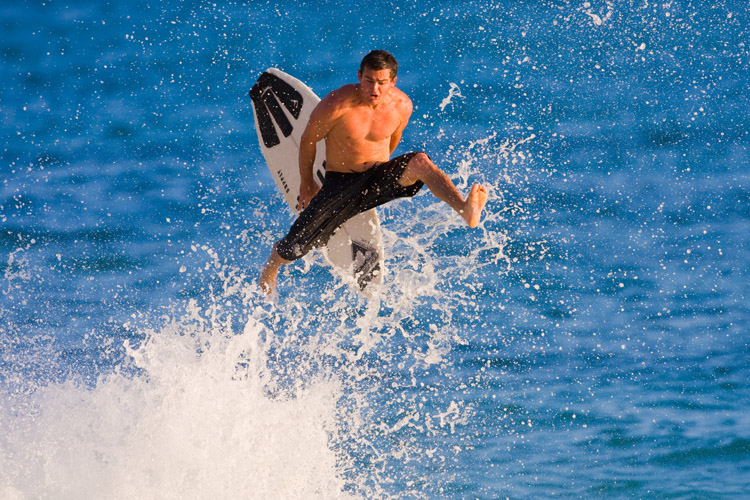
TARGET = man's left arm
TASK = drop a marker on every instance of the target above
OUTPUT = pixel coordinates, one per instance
(396, 137)
(405, 112)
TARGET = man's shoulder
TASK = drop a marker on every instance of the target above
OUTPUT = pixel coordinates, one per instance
(334, 103)
(341, 95)
(402, 101)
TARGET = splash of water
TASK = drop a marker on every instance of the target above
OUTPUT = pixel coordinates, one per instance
(199, 421)
(322, 394)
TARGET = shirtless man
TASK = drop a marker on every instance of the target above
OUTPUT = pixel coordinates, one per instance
(361, 123)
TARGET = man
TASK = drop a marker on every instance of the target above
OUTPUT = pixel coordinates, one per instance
(361, 123)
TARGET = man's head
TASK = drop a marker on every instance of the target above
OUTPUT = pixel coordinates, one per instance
(379, 59)
(377, 75)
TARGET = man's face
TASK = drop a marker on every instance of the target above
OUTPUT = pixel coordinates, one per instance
(375, 84)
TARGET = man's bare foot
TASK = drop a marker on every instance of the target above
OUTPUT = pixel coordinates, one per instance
(475, 203)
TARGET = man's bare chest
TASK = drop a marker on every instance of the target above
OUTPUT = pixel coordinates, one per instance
(367, 125)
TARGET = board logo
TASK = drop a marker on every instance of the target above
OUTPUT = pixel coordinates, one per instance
(365, 263)
(268, 94)
(280, 173)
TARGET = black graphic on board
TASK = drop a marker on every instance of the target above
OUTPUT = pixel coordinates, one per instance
(322, 174)
(268, 94)
(365, 264)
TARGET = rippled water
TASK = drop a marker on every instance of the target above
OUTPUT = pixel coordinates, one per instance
(588, 340)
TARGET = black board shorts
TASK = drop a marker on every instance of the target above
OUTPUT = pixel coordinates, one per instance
(343, 196)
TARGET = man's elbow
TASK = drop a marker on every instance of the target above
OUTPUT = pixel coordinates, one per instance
(307, 143)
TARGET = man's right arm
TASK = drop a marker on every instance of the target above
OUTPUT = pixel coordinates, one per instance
(307, 187)
(321, 121)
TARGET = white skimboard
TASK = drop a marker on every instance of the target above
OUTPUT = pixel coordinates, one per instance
(282, 106)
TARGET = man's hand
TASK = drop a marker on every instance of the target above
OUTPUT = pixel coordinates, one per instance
(307, 191)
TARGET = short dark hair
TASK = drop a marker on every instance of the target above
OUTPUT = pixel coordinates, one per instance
(380, 59)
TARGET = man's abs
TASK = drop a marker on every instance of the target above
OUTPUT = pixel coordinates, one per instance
(354, 158)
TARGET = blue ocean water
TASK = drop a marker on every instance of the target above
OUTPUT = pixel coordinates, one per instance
(589, 340)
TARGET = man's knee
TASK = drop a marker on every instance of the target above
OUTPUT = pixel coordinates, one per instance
(421, 162)
(282, 254)
(418, 168)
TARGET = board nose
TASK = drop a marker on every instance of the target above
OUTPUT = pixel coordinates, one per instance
(269, 94)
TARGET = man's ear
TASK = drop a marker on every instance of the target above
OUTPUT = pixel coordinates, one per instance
(393, 82)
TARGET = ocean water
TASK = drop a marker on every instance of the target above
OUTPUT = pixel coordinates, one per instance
(589, 340)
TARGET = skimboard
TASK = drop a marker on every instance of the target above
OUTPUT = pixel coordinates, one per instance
(282, 106)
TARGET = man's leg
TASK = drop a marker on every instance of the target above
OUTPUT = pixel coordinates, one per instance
(421, 168)
(267, 280)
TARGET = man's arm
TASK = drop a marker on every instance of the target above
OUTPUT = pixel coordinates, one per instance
(405, 109)
(321, 121)
(396, 137)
